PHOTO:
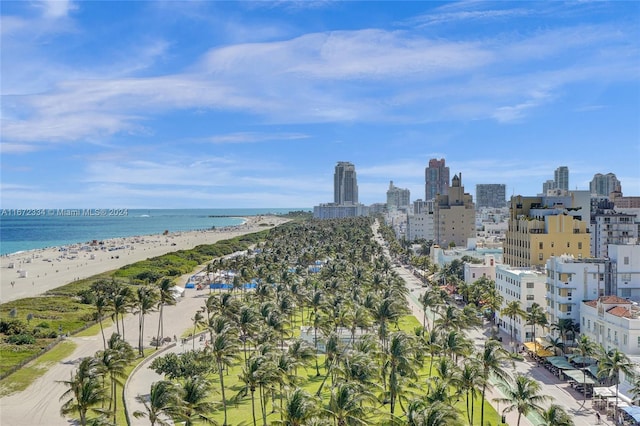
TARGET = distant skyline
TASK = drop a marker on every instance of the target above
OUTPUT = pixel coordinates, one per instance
(252, 104)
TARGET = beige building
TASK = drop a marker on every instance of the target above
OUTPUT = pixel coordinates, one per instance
(541, 227)
(454, 216)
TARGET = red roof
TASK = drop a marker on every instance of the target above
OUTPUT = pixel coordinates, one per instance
(614, 300)
(592, 303)
(620, 311)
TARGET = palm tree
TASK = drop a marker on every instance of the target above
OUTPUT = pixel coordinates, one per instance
(536, 317)
(193, 402)
(555, 415)
(198, 321)
(224, 349)
(424, 413)
(300, 407)
(246, 322)
(101, 304)
(470, 382)
(611, 364)
(513, 310)
(143, 304)
(165, 297)
(555, 344)
(162, 400)
(85, 391)
(522, 396)
(585, 348)
(348, 404)
(491, 362)
(332, 350)
(252, 376)
(400, 364)
(120, 304)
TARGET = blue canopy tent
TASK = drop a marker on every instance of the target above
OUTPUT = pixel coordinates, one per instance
(633, 411)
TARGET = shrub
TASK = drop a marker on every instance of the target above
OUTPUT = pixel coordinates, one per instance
(21, 339)
(12, 327)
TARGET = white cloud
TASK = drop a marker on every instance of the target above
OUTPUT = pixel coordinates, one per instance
(253, 137)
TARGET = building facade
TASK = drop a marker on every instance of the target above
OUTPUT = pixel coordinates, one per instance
(525, 285)
(604, 185)
(612, 322)
(541, 227)
(336, 211)
(569, 282)
(491, 195)
(398, 198)
(454, 216)
(420, 226)
(436, 177)
(610, 227)
(345, 184)
(561, 178)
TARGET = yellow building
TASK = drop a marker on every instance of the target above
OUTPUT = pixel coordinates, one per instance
(541, 227)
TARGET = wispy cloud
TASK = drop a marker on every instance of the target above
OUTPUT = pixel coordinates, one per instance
(254, 137)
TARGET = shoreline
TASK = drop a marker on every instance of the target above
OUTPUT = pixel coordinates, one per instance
(30, 273)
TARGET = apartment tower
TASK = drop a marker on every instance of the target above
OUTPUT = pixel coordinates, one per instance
(345, 184)
(436, 179)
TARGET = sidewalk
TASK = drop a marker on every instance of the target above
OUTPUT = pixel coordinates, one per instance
(560, 392)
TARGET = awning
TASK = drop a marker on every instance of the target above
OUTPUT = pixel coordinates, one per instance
(578, 359)
(610, 392)
(604, 392)
(579, 377)
(633, 411)
(538, 349)
(560, 362)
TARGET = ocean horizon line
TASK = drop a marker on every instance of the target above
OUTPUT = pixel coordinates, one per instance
(41, 229)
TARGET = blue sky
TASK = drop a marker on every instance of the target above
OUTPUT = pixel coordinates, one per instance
(251, 104)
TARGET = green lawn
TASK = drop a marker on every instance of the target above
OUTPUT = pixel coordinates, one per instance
(22, 378)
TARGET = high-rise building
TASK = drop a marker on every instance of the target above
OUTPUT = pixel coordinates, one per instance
(436, 179)
(547, 186)
(345, 195)
(345, 184)
(603, 185)
(397, 198)
(454, 216)
(541, 227)
(561, 178)
(491, 195)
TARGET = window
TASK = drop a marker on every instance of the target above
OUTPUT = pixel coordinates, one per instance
(568, 244)
(580, 246)
(589, 325)
(540, 256)
(529, 296)
(529, 285)
(569, 308)
(540, 245)
(639, 341)
(626, 260)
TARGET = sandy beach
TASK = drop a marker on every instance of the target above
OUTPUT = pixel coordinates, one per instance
(33, 272)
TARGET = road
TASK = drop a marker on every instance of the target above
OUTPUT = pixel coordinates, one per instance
(560, 392)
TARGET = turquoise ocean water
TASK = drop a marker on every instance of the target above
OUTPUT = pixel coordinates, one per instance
(32, 229)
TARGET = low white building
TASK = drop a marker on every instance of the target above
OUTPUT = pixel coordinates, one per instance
(420, 226)
(527, 286)
(474, 271)
(569, 282)
(612, 322)
(625, 270)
